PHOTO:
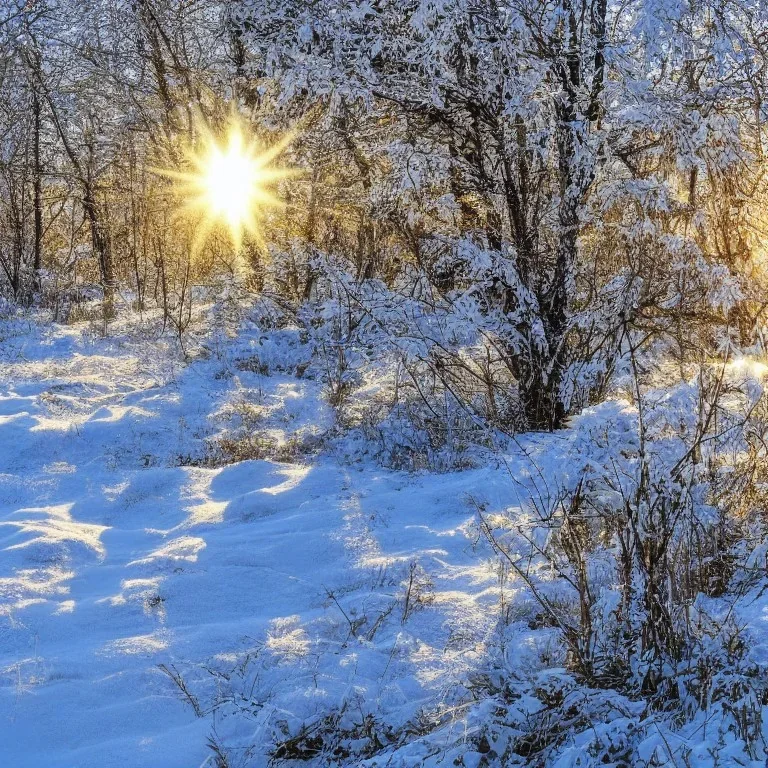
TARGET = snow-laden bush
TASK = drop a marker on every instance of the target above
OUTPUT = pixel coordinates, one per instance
(643, 561)
(418, 378)
(7, 308)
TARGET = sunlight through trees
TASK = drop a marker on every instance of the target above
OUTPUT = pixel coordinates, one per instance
(526, 237)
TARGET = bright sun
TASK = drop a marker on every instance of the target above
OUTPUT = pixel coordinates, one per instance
(228, 183)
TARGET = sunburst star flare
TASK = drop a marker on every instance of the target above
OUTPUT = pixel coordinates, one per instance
(228, 182)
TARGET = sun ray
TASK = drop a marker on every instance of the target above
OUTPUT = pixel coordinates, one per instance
(227, 183)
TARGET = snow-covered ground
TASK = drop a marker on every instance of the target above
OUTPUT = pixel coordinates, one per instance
(277, 591)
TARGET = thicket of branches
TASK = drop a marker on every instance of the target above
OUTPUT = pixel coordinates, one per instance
(507, 210)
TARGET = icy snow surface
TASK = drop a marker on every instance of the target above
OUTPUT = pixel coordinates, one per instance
(118, 554)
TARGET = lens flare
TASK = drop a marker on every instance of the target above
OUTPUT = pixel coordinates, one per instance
(228, 183)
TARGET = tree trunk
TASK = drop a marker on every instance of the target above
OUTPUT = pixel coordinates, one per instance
(101, 249)
(37, 192)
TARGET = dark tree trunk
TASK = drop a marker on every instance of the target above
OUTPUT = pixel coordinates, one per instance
(101, 249)
(37, 191)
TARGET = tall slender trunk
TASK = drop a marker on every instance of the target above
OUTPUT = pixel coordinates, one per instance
(310, 235)
(37, 190)
(101, 248)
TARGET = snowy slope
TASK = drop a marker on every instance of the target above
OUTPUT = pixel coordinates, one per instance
(281, 590)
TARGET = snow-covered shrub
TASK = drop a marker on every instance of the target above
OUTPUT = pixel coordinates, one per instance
(286, 351)
(416, 375)
(643, 561)
(331, 331)
(7, 308)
